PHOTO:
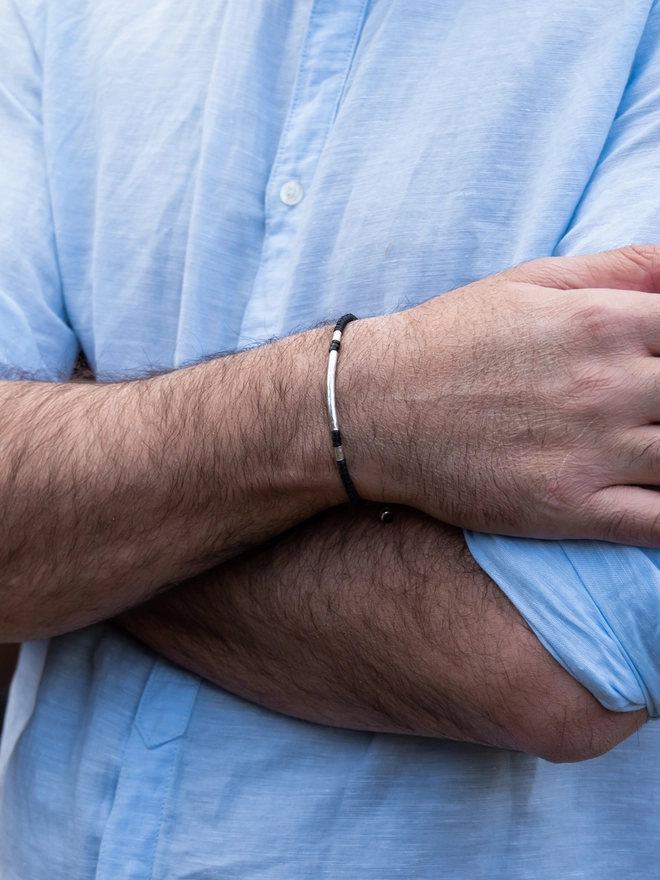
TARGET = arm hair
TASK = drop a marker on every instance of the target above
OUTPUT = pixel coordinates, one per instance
(347, 622)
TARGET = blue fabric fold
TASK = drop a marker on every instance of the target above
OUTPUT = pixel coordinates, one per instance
(595, 606)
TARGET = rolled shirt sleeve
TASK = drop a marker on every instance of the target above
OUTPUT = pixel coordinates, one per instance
(596, 606)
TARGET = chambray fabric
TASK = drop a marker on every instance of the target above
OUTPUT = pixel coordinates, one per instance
(143, 149)
(594, 605)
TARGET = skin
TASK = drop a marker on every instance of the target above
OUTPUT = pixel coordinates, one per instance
(111, 492)
(526, 403)
(548, 398)
(347, 622)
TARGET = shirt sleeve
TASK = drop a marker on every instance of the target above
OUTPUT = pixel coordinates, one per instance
(596, 606)
(35, 337)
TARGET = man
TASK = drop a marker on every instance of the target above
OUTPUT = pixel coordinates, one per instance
(182, 180)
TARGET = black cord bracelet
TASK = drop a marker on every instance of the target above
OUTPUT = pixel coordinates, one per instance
(351, 491)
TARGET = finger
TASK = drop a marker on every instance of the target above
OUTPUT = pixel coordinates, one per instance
(627, 316)
(638, 458)
(621, 395)
(635, 393)
(631, 268)
(650, 397)
(626, 515)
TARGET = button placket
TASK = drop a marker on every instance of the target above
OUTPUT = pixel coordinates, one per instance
(332, 35)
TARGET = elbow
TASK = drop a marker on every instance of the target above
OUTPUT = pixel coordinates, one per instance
(542, 710)
(577, 730)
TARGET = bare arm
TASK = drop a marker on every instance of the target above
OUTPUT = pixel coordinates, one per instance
(515, 405)
(107, 492)
(348, 622)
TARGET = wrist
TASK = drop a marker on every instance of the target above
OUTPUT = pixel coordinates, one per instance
(309, 466)
(372, 408)
(277, 398)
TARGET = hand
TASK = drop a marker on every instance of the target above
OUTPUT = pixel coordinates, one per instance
(347, 622)
(524, 404)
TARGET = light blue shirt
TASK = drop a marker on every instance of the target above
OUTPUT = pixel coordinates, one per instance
(150, 154)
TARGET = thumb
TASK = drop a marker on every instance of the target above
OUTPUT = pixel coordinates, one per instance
(636, 267)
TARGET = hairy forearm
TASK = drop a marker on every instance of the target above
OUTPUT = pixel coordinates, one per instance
(347, 622)
(109, 491)
(512, 406)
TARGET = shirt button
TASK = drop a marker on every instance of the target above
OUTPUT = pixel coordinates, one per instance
(291, 193)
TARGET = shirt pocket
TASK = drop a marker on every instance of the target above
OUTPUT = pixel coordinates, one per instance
(131, 835)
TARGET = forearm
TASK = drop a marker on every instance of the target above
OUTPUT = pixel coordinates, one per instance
(393, 628)
(107, 492)
(527, 417)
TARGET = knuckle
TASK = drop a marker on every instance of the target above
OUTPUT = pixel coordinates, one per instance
(594, 320)
(594, 395)
(551, 272)
(536, 271)
(567, 490)
(645, 256)
(599, 323)
(592, 383)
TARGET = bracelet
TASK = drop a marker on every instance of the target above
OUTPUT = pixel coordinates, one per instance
(351, 491)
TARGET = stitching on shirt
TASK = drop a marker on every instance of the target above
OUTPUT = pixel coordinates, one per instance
(104, 834)
(295, 103)
(166, 793)
(289, 119)
(355, 41)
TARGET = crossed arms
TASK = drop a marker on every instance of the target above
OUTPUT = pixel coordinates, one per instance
(346, 622)
(535, 416)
